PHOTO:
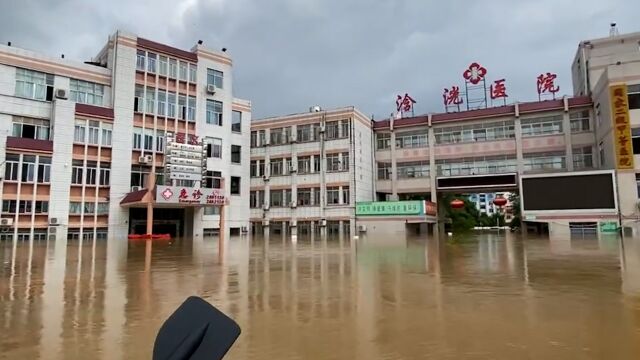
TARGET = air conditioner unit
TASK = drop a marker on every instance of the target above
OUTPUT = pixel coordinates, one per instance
(53, 221)
(149, 158)
(339, 167)
(322, 128)
(293, 205)
(323, 222)
(315, 108)
(6, 222)
(136, 188)
(292, 169)
(61, 94)
(265, 177)
(52, 230)
(362, 228)
(145, 159)
(292, 139)
(244, 229)
(211, 89)
(265, 222)
(265, 207)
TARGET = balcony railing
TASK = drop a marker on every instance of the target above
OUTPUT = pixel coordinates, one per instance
(545, 163)
(582, 161)
(475, 169)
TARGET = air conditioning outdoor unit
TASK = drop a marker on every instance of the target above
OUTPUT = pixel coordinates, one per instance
(52, 230)
(292, 139)
(136, 188)
(362, 228)
(265, 207)
(323, 222)
(211, 89)
(265, 222)
(265, 177)
(244, 229)
(315, 108)
(145, 159)
(53, 221)
(293, 205)
(6, 222)
(292, 169)
(322, 128)
(61, 94)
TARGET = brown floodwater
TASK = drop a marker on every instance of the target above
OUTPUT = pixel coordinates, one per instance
(486, 296)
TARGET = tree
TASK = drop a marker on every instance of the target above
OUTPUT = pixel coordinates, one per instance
(463, 219)
(514, 199)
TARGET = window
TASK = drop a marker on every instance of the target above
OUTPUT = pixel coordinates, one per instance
(30, 128)
(383, 141)
(254, 139)
(276, 198)
(304, 164)
(499, 130)
(44, 170)
(262, 137)
(159, 141)
(139, 175)
(150, 98)
(9, 206)
(105, 173)
(338, 162)
(332, 130)
(89, 208)
(75, 208)
(148, 140)
(28, 168)
(77, 172)
(476, 165)
(256, 198)
(182, 67)
(579, 121)
(633, 96)
(215, 77)
(85, 92)
(256, 168)
(308, 132)
(582, 158)
(384, 171)
(544, 161)
(25, 207)
(94, 133)
(345, 195)
(304, 197)
(235, 185)
(162, 69)
(416, 169)
(137, 138)
(192, 73)
(235, 154)
(107, 134)
(276, 166)
(92, 173)
(42, 207)
(171, 105)
(344, 128)
(162, 102)
(34, 84)
(173, 68)
(191, 108)
(182, 107)
(138, 98)
(316, 163)
(213, 179)
(212, 210)
(333, 195)
(140, 60)
(214, 112)
(415, 139)
(280, 136)
(635, 140)
(236, 121)
(542, 126)
(214, 147)
(601, 153)
(103, 208)
(11, 167)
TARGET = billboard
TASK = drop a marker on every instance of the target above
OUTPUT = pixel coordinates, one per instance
(576, 191)
(382, 208)
(189, 196)
(621, 126)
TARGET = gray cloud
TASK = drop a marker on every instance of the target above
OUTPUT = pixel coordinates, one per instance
(290, 54)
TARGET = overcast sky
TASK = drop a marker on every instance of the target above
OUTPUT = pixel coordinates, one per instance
(291, 54)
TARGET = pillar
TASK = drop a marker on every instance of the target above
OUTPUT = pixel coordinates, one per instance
(518, 137)
(566, 127)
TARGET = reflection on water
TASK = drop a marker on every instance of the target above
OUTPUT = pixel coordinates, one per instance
(485, 296)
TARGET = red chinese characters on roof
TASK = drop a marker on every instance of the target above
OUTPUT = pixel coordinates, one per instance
(546, 84)
(498, 89)
(404, 104)
(452, 96)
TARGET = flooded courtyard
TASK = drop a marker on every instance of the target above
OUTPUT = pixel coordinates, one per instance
(484, 296)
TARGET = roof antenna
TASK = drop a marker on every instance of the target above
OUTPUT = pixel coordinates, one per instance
(613, 30)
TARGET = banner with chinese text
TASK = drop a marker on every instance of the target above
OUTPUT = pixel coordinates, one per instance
(378, 208)
(621, 126)
(189, 196)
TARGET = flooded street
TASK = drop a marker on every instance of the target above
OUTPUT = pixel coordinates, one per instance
(481, 297)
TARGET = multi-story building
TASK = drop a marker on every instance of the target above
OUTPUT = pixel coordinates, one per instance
(80, 140)
(599, 66)
(484, 201)
(308, 170)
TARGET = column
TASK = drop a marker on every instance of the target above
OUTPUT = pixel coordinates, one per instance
(566, 127)
(518, 134)
(394, 167)
(433, 173)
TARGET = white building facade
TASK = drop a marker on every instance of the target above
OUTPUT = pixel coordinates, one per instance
(308, 170)
(79, 140)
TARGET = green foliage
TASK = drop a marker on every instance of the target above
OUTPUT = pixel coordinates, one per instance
(463, 219)
(514, 198)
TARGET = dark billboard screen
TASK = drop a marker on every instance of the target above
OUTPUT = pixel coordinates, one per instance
(577, 192)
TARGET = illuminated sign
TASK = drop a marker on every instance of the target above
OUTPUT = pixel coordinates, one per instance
(621, 126)
(378, 208)
(189, 196)
(608, 226)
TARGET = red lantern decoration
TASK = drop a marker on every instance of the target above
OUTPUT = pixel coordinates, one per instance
(500, 201)
(457, 204)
